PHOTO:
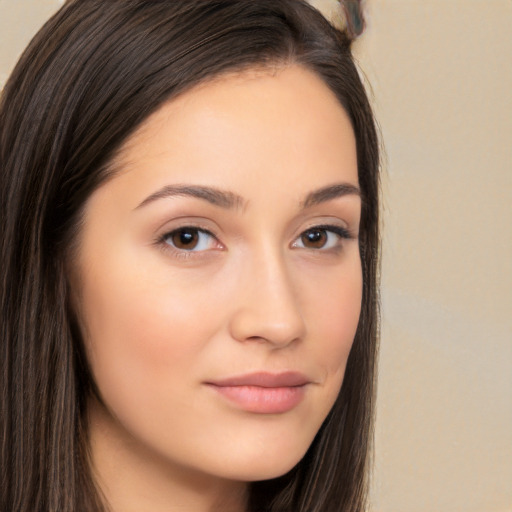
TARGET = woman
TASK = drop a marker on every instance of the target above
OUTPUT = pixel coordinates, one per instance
(189, 250)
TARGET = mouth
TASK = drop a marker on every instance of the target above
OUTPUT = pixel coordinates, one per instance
(262, 392)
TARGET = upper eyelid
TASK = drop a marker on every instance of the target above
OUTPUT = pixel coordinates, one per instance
(198, 227)
(339, 230)
(327, 220)
(326, 227)
(165, 231)
(335, 228)
(169, 232)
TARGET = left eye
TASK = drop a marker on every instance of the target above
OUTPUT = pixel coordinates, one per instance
(321, 237)
(190, 239)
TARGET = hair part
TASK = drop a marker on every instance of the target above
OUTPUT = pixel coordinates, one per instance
(86, 82)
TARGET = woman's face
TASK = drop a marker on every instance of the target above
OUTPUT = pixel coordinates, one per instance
(218, 276)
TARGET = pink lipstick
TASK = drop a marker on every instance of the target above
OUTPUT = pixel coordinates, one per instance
(262, 392)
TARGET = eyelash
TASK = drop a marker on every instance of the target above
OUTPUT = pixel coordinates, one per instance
(340, 232)
(183, 253)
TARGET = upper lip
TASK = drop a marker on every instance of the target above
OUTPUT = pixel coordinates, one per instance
(264, 380)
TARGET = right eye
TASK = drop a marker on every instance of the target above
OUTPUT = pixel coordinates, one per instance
(190, 239)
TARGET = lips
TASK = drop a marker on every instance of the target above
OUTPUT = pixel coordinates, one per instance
(262, 392)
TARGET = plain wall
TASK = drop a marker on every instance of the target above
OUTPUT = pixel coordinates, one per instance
(442, 80)
(441, 76)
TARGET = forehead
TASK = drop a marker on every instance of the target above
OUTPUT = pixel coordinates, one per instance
(245, 100)
(249, 131)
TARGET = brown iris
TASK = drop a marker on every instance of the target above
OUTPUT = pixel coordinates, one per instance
(314, 238)
(186, 238)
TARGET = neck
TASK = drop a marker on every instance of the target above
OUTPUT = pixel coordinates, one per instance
(132, 478)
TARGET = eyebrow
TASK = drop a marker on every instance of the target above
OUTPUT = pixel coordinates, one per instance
(224, 199)
(230, 200)
(325, 194)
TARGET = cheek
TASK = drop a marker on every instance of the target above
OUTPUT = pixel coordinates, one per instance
(143, 337)
(340, 322)
(152, 340)
(335, 309)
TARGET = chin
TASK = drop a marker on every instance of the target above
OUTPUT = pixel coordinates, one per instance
(264, 465)
(269, 473)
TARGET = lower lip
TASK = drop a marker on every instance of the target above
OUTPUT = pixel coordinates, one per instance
(262, 400)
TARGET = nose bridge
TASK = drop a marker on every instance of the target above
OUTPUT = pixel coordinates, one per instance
(269, 307)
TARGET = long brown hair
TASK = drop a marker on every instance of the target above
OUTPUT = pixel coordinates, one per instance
(87, 80)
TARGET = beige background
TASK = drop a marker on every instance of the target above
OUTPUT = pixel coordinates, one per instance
(442, 87)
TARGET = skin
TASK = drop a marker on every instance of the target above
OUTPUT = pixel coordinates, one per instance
(260, 293)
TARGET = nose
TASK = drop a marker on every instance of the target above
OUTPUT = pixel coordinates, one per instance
(267, 309)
